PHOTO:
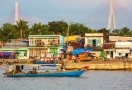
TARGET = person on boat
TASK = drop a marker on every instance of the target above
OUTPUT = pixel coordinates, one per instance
(18, 69)
(63, 67)
(10, 70)
(34, 71)
(78, 60)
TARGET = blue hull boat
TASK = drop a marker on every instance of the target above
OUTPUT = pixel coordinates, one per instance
(42, 62)
(42, 70)
(49, 74)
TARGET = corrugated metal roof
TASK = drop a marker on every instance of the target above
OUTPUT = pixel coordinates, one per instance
(21, 44)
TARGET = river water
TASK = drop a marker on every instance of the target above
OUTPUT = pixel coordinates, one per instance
(90, 80)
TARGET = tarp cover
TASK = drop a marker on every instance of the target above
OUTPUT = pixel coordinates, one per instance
(78, 51)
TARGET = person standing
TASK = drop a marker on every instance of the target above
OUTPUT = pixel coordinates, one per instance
(78, 59)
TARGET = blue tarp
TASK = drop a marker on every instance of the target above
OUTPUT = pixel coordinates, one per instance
(78, 51)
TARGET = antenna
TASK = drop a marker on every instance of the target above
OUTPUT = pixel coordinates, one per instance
(111, 16)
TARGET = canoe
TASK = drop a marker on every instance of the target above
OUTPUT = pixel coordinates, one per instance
(40, 70)
(77, 73)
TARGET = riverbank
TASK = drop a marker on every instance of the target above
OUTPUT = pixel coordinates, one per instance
(93, 65)
(102, 65)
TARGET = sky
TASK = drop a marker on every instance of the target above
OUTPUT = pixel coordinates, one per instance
(92, 13)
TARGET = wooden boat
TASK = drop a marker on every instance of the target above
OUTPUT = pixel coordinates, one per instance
(41, 73)
(44, 62)
(84, 56)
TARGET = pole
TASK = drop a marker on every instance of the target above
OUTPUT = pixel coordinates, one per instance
(103, 45)
(67, 38)
(92, 22)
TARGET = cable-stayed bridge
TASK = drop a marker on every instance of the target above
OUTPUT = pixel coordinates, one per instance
(96, 19)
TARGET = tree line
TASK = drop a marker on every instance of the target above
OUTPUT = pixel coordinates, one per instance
(23, 30)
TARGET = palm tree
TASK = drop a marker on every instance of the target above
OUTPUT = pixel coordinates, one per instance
(21, 25)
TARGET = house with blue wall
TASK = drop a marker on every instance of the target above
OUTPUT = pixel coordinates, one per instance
(95, 42)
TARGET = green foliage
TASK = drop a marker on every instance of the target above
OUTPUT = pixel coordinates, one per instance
(125, 31)
(39, 29)
(105, 34)
(79, 29)
(58, 27)
(115, 32)
(22, 30)
(22, 27)
(7, 32)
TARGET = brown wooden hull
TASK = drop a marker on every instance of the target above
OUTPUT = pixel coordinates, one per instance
(86, 59)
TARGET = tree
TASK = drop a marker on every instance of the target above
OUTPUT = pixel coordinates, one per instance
(39, 29)
(125, 31)
(22, 27)
(115, 32)
(105, 34)
(58, 27)
(7, 32)
(79, 29)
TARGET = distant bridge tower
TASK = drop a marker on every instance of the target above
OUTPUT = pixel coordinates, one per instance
(16, 13)
(111, 16)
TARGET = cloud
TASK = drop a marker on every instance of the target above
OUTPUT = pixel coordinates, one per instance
(75, 4)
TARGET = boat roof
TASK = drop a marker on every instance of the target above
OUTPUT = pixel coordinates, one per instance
(38, 64)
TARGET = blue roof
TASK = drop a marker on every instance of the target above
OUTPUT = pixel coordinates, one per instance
(79, 50)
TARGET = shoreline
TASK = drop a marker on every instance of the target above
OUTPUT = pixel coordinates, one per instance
(93, 65)
(102, 65)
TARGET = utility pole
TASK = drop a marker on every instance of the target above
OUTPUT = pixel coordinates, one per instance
(92, 23)
(66, 44)
(67, 29)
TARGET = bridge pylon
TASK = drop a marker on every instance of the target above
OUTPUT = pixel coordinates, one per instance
(111, 18)
(16, 13)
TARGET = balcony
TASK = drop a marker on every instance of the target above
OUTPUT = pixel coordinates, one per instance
(45, 45)
(95, 48)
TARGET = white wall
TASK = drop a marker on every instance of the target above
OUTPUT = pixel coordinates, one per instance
(123, 44)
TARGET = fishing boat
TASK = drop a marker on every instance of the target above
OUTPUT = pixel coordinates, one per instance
(84, 56)
(45, 61)
(22, 70)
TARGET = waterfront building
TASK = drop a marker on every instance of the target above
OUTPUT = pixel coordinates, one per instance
(115, 47)
(41, 46)
(120, 39)
(94, 41)
(121, 48)
(15, 49)
(72, 42)
(109, 50)
(123, 45)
